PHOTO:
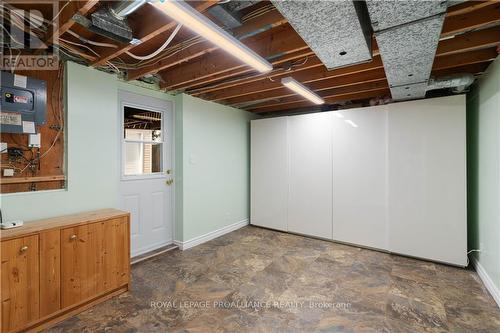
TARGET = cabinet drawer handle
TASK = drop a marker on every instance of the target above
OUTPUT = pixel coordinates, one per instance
(72, 237)
(24, 248)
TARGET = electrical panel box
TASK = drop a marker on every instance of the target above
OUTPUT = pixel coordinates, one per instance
(23, 103)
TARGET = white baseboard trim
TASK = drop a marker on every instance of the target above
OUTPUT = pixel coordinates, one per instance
(488, 282)
(211, 235)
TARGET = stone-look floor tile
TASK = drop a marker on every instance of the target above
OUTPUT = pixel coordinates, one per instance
(417, 304)
(258, 280)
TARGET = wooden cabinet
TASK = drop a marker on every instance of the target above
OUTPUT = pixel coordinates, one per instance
(20, 282)
(94, 259)
(54, 268)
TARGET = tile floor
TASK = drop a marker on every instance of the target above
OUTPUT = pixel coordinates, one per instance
(257, 280)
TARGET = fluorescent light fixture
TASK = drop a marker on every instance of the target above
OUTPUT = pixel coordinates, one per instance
(338, 115)
(350, 122)
(186, 15)
(300, 89)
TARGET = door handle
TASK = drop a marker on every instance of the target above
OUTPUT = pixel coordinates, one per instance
(169, 181)
(23, 248)
(72, 237)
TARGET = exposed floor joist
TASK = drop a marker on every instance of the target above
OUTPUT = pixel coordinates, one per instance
(253, 27)
(159, 24)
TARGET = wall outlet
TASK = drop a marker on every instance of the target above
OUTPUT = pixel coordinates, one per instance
(11, 224)
(35, 140)
(8, 172)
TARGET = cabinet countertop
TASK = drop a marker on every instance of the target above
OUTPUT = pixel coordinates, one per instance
(37, 226)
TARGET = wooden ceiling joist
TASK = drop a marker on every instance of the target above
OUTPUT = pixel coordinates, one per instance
(249, 29)
(281, 91)
(459, 24)
(487, 15)
(470, 41)
(322, 87)
(159, 23)
(467, 7)
(371, 85)
(328, 100)
(256, 89)
(282, 41)
(72, 8)
(242, 72)
(65, 21)
(306, 76)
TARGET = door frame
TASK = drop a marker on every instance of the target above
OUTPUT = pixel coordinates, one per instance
(140, 102)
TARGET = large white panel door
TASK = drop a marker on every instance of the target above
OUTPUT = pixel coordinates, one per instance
(360, 176)
(427, 172)
(269, 173)
(310, 197)
(146, 185)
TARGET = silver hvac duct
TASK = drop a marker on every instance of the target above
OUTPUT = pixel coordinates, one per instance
(111, 21)
(407, 33)
(458, 82)
(122, 9)
(337, 31)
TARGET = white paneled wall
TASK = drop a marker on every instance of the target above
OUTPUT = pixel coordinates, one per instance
(388, 177)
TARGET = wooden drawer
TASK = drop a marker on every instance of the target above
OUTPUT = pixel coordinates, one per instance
(20, 282)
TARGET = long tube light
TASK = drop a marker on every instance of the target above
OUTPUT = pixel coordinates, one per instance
(300, 89)
(199, 24)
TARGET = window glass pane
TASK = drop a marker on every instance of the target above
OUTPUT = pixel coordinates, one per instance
(146, 156)
(142, 125)
(143, 158)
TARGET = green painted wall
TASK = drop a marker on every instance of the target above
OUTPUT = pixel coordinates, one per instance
(483, 150)
(210, 193)
(216, 163)
(90, 105)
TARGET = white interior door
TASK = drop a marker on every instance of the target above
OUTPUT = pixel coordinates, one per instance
(310, 170)
(146, 185)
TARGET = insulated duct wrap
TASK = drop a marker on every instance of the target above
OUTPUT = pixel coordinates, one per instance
(337, 31)
(407, 34)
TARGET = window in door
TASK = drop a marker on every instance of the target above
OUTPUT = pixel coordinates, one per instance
(142, 142)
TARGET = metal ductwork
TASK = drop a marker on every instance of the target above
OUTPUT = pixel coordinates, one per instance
(337, 31)
(111, 21)
(458, 82)
(407, 34)
(228, 18)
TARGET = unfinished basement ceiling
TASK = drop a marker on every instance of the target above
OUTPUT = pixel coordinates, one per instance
(466, 43)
